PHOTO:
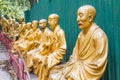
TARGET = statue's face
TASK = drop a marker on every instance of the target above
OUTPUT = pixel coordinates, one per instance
(83, 18)
(28, 25)
(16, 24)
(52, 22)
(21, 20)
(34, 25)
(42, 24)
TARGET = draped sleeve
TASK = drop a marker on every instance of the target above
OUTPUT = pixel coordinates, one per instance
(59, 49)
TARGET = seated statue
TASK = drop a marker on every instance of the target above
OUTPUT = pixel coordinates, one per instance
(18, 44)
(58, 48)
(15, 31)
(89, 58)
(24, 32)
(23, 41)
(33, 37)
(26, 40)
(4, 24)
(55, 54)
(22, 27)
(44, 46)
(30, 38)
(11, 28)
(45, 38)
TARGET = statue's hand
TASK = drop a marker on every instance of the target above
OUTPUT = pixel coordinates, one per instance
(44, 61)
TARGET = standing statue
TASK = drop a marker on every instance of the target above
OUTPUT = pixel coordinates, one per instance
(89, 58)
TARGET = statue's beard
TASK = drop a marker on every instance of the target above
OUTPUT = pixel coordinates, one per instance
(42, 28)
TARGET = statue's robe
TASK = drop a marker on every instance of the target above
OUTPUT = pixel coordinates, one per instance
(58, 48)
(22, 30)
(33, 40)
(28, 41)
(37, 54)
(55, 55)
(88, 60)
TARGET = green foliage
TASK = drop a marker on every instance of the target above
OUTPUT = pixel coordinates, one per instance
(14, 8)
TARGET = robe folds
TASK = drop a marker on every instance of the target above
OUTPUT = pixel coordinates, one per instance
(88, 60)
(45, 38)
(56, 54)
(28, 39)
(43, 59)
(58, 48)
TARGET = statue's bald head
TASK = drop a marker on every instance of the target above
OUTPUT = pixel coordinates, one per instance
(89, 8)
(21, 19)
(34, 24)
(53, 20)
(54, 16)
(43, 23)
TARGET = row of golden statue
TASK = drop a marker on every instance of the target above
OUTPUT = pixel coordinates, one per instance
(44, 48)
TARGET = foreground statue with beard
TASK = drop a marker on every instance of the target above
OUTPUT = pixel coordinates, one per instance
(89, 58)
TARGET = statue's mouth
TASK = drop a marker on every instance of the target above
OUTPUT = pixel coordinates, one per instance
(79, 23)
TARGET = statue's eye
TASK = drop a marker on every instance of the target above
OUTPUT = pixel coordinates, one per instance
(80, 14)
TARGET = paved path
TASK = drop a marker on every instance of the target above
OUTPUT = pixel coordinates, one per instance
(4, 62)
(34, 77)
(4, 75)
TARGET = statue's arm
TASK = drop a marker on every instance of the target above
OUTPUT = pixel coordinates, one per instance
(56, 56)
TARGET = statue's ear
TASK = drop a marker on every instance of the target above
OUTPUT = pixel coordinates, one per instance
(90, 17)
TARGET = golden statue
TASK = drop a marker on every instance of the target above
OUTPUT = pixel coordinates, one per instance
(21, 39)
(4, 24)
(15, 31)
(33, 36)
(24, 41)
(89, 58)
(58, 48)
(42, 50)
(22, 27)
(50, 52)
(10, 27)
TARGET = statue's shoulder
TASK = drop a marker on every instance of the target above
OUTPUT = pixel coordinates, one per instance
(99, 33)
(79, 35)
(48, 31)
(60, 31)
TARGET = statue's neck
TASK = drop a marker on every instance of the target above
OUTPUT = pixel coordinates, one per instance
(85, 31)
(43, 29)
(55, 27)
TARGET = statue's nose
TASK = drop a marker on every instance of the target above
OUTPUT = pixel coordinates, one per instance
(78, 18)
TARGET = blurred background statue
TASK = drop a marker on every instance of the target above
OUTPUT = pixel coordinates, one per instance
(35, 56)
